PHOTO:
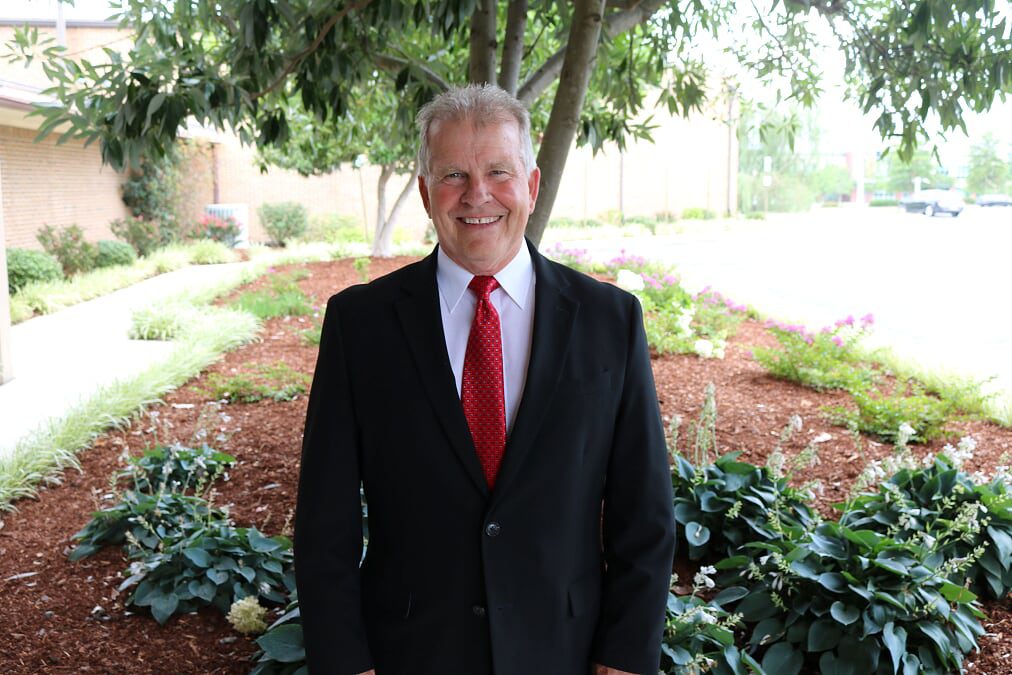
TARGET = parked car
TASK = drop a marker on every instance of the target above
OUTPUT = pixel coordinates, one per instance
(933, 202)
(994, 200)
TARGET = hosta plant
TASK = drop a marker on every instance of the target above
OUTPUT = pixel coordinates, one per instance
(215, 565)
(840, 600)
(721, 506)
(968, 525)
(141, 521)
(282, 649)
(177, 467)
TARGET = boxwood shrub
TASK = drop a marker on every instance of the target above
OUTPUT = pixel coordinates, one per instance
(111, 253)
(25, 266)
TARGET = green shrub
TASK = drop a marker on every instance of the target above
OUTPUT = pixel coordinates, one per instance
(112, 253)
(68, 245)
(884, 415)
(755, 215)
(698, 213)
(151, 193)
(941, 507)
(840, 600)
(144, 235)
(827, 359)
(25, 266)
(333, 228)
(284, 221)
(699, 635)
(722, 506)
(883, 202)
(176, 467)
(207, 252)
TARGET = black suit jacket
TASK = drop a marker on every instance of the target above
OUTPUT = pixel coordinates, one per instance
(566, 562)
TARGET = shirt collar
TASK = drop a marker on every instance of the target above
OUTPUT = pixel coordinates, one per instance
(515, 279)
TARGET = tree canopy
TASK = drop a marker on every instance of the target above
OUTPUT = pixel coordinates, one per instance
(988, 172)
(248, 64)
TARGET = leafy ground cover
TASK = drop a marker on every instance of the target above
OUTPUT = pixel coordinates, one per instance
(61, 615)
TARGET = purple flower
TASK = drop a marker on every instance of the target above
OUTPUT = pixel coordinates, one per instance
(837, 340)
(868, 319)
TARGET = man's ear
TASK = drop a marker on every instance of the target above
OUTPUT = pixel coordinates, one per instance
(534, 186)
(423, 190)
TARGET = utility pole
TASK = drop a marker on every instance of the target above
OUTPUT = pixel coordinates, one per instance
(730, 209)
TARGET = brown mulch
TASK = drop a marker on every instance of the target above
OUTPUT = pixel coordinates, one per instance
(62, 617)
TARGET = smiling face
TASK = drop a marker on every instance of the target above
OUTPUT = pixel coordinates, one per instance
(478, 193)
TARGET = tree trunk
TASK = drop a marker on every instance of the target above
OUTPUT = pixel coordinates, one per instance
(386, 171)
(383, 244)
(513, 45)
(561, 130)
(481, 63)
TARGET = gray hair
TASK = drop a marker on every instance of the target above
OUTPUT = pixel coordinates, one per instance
(481, 104)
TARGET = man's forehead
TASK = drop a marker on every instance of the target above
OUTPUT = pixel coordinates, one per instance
(476, 124)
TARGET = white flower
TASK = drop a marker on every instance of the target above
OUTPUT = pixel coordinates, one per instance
(904, 434)
(703, 348)
(629, 281)
(247, 615)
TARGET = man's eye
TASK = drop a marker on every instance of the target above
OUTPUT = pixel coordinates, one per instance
(456, 175)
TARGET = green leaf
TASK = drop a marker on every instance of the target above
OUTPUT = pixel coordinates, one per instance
(845, 614)
(895, 639)
(757, 606)
(954, 593)
(1002, 542)
(823, 635)
(198, 556)
(217, 576)
(261, 543)
(201, 589)
(163, 606)
(865, 538)
(894, 566)
(730, 595)
(782, 659)
(283, 643)
(767, 631)
(833, 581)
(697, 534)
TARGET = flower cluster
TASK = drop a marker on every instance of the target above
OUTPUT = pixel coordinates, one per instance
(248, 616)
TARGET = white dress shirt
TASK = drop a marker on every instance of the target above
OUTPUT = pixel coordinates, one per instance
(513, 300)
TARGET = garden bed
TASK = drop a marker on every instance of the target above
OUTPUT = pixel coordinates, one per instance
(62, 616)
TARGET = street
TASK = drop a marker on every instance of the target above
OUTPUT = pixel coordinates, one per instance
(939, 288)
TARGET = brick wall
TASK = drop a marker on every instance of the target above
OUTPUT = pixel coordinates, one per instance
(46, 184)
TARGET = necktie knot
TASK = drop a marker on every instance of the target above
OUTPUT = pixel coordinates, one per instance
(483, 286)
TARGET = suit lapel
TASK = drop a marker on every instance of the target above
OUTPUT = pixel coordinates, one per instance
(554, 314)
(421, 320)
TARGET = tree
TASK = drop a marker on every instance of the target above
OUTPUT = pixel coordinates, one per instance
(988, 172)
(376, 129)
(903, 175)
(242, 63)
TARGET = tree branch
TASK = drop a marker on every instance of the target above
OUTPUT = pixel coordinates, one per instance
(389, 62)
(513, 45)
(481, 59)
(613, 25)
(294, 63)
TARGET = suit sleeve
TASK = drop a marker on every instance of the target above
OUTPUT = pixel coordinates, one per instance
(638, 521)
(328, 518)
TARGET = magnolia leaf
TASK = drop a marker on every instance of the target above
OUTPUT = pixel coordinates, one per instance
(782, 659)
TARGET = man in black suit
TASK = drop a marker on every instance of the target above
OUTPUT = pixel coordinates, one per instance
(499, 411)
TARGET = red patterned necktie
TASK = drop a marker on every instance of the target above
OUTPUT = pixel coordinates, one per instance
(481, 390)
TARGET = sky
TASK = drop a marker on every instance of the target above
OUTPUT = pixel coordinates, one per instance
(83, 10)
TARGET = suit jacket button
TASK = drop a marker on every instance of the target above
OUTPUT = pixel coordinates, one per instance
(479, 611)
(492, 529)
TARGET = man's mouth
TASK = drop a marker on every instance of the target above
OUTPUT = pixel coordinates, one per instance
(485, 220)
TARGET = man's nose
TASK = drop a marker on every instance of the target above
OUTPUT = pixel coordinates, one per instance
(477, 192)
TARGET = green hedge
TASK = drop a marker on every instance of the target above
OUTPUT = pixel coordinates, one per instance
(111, 253)
(24, 266)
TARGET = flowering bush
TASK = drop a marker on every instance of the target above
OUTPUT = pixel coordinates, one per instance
(826, 359)
(223, 230)
(883, 415)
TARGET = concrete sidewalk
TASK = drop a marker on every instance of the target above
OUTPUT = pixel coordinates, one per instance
(62, 358)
